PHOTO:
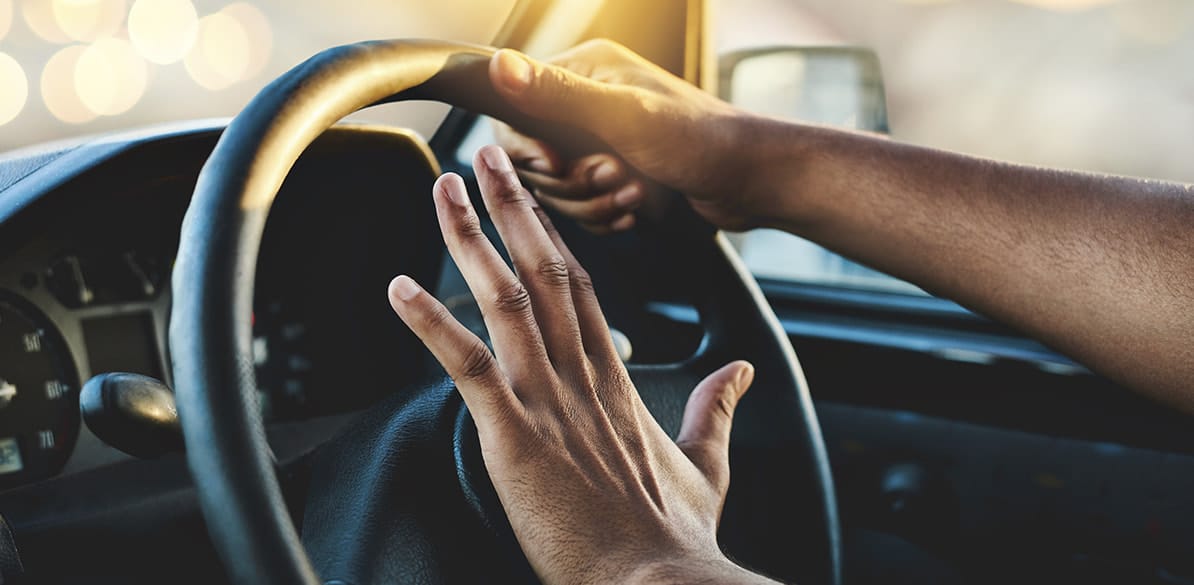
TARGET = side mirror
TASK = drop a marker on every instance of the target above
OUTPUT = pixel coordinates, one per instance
(839, 86)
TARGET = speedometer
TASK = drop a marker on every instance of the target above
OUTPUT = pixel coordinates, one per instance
(39, 394)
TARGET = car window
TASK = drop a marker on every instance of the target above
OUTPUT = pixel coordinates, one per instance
(1096, 85)
(77, 67)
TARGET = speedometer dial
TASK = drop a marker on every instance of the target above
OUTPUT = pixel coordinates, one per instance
(39, 395)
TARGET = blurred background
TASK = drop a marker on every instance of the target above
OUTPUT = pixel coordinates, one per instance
(1104, 85)
(1096, 85)
(1101, 85)
(76, 67)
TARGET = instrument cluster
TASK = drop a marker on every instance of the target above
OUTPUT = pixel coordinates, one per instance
(85, 289)
(91, 296)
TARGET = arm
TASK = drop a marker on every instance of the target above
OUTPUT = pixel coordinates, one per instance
(1102, 268)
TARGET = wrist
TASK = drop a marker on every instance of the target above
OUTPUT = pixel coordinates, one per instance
(684, 571)
(793, 171)
(777, 162)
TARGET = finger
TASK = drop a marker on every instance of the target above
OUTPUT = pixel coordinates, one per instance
(708, 417)
(585, 178)
(594, 330)
(529, 153)
(539, 264)
(504, 302)
(466, 359)
(554, 93)
(603, 60)
(601, 209)
(620, 224)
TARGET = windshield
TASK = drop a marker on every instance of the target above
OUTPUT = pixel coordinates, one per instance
(76, 67)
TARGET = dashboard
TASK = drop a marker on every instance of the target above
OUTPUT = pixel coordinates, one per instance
(85, 266)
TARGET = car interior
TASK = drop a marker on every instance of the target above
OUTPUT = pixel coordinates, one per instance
(231, 398)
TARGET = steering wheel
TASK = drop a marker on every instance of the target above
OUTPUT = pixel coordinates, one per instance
(402, 495)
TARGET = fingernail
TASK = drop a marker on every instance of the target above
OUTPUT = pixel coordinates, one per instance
(628, 196)
(746, 374)
(496, 159)
(603, 174)
(405, 288)
(516, 71)
(454, 189)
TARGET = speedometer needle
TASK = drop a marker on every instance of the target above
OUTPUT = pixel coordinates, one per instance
(7, 393)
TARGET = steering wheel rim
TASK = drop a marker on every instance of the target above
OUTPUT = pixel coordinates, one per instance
(210, 329)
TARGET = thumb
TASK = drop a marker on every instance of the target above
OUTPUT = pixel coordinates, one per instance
(705, 430)
(552, 92)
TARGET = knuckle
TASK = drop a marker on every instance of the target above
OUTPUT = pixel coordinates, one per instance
(553, 271)
(436, 318)
(512, 298)
(510, 190)
(477, 364)
(582, 283)
(505, 415)
(601, 45)
(468, 227)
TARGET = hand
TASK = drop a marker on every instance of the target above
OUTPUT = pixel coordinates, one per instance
(595, 490)
(665, 134)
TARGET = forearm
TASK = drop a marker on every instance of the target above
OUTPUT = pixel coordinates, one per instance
(1102, 268)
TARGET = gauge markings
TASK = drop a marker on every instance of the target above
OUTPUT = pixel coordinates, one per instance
(39, 411)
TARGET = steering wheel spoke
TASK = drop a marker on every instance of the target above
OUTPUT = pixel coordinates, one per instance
(385, 504)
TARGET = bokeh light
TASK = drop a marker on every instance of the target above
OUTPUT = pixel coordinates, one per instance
(110, 77)
(220, 56)
(39, 17)
(16, 88)
(88, 20)
(5, 17)
(163, 31)
(58, 87)
(261, 36)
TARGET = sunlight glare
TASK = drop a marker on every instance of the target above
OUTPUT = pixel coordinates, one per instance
(58, 87)
(16, 88)
(110, 77)
(163, 30)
